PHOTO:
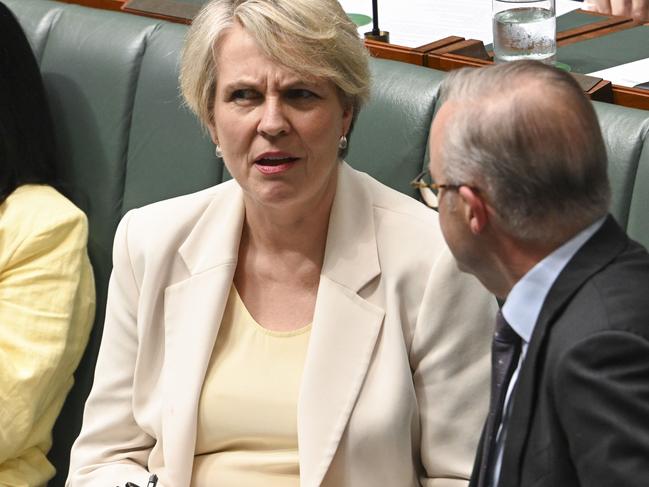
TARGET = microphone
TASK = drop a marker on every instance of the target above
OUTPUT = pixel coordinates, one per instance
(377, 34)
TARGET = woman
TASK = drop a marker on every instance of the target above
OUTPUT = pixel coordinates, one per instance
(46, 285)
(301, 303)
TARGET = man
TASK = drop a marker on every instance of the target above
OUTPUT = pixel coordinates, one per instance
(521, 184)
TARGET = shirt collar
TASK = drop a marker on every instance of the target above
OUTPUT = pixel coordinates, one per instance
(525, 300)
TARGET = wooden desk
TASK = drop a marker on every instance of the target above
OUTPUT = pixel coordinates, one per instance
(456, 52)
(444, 54)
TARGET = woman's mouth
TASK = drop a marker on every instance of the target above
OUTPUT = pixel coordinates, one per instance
(275, 163)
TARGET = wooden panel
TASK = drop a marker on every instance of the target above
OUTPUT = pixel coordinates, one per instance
(170, 10)
(596, 88)
(600, 91)
(631, 97)
(607, 22)
(448, 62)
(104, 4)
(597, 33)
(435, 45)
(396, 53)
(469, 48)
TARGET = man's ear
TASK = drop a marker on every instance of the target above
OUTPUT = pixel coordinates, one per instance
(475, 211)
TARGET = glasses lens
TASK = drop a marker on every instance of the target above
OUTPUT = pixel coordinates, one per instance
(428, 180)
(430, 197)
(428, 194)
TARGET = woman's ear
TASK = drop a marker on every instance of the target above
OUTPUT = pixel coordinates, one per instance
(348, 115)
(212, 130)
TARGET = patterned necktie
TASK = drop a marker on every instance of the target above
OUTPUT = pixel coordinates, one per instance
(505, 351)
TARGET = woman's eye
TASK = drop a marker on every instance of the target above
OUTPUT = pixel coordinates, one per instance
(244, 95)
(300, 94)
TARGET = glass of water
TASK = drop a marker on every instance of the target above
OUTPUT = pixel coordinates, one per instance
(525, 30)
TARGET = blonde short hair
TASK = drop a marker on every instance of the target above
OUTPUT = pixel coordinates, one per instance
(313, 38)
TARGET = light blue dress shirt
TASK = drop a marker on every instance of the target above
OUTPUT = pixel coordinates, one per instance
(522, 309)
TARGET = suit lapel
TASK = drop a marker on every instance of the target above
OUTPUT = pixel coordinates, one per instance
(345, 329)
(193, 311)
(596, 253)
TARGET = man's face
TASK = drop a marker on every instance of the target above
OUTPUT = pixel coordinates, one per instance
(451, 207)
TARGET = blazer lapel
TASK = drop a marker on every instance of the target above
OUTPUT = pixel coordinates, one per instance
(596, 253)
(345, 329)
(193, 311)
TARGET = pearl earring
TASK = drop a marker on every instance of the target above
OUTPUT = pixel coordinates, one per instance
(342, 143)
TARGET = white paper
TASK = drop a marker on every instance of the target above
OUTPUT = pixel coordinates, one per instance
(413, 23)
(629, 74)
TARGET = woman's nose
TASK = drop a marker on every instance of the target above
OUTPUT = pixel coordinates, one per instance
(273, 120)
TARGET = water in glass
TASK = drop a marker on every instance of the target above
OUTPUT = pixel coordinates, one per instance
(524, 30)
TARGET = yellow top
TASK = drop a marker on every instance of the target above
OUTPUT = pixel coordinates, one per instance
(47, 302)
(247, 415)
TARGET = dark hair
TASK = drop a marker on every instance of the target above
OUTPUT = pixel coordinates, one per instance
(27, 147)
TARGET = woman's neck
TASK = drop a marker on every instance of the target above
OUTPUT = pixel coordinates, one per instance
(301, 230)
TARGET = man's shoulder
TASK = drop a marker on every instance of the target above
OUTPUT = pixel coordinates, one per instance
(614, 298)
(621, 283)
(621, 289)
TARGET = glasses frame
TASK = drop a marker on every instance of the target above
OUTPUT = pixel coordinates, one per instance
(418, 183)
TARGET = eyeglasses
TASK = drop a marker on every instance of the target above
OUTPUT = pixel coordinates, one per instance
(429, 191)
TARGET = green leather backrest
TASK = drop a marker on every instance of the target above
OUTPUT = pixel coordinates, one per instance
(638, 224)
(126, 140)
(168, 153)
(625, 133)
(390, 137)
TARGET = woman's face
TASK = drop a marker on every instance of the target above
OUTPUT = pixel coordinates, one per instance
(279, 133)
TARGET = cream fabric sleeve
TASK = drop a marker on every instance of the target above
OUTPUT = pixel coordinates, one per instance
(450, 357)
(46, 308)
(112, 448)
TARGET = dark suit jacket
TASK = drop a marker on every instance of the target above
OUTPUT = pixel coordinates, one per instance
(580, 411)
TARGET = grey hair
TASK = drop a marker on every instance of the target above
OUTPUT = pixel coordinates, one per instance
(527, 136)
(313, 38)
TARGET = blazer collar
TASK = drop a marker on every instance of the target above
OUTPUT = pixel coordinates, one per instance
(351, 256)
(345, 328)
(596, 253)
(214, 239)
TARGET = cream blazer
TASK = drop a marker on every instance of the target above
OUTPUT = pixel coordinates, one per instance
(395, 382)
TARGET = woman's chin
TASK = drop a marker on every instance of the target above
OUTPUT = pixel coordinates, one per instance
(275, 195)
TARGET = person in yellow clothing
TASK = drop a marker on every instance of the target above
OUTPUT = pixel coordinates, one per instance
(47, 295)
